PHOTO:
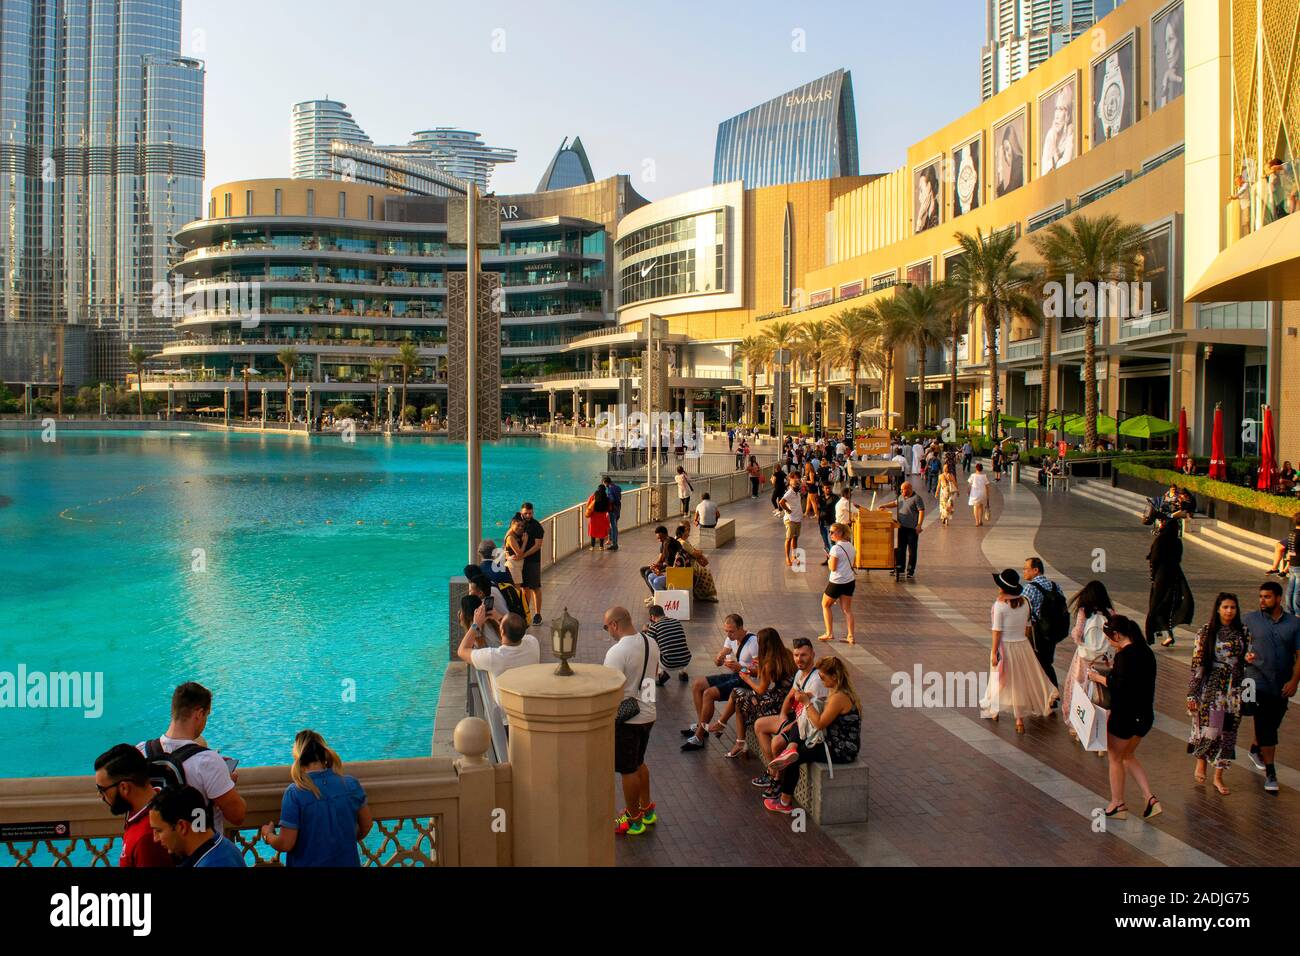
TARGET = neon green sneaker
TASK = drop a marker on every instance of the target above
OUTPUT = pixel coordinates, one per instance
(635, 826)
(648, 815)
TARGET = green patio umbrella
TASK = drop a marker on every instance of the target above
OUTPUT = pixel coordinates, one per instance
(1078, 424)
(1009, 421)
(1146, 426)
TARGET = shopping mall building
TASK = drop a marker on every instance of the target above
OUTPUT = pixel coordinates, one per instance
(1098, 128)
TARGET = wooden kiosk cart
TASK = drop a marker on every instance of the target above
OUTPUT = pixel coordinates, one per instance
(874, 531)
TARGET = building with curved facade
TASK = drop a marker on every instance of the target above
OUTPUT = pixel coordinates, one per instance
(810, 132)
(345, 274)
(317, 124)
(568, 167)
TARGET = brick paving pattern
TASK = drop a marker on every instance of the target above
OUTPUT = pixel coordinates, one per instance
(970, 793)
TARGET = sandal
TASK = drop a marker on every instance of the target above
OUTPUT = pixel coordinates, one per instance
(850, 640)
(1168, 641)
(1222, 787)
(1199, 776)
(738, 749)
(826, 637)
(1020, 726)
(1119, 813)
(1154, 809)
(716, 728)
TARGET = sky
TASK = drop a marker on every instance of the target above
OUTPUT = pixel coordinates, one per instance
(644, 84)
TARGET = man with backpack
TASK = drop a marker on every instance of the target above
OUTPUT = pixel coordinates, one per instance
(506, 596)
(179, 758)
(1049, 616)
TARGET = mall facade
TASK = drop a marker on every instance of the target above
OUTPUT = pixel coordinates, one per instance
(1098, 128)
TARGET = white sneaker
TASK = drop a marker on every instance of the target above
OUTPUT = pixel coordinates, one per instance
(1270, 784)
(1257, 760)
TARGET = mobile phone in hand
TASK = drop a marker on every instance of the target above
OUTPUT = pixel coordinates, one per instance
(488, 602)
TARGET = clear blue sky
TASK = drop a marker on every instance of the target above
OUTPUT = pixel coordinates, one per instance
(637, 81)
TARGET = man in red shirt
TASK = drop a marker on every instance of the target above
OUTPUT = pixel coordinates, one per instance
(122, 779)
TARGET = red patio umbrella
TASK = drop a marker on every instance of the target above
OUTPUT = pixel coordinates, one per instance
(1268, 453)
(1218, 467)
(1180, 460)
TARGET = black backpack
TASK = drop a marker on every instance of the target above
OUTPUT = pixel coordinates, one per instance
(167, 770)
(1052, 623)
(514, 600)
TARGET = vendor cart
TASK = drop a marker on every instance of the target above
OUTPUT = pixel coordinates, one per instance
(875, 474)
(874, 544)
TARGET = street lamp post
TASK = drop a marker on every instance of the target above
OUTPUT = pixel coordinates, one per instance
(474, 460)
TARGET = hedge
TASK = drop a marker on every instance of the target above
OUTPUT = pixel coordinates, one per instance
(1222, 490)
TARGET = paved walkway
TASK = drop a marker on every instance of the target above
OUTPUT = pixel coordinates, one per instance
(946, 786)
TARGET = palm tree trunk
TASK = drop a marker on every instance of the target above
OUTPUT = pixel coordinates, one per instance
(920, 387)
(139, 389)
(991, 333)
(952, 383)
(850, 427)
(1043, 397)
(753, 397)
(1090, 383)
(401, 412)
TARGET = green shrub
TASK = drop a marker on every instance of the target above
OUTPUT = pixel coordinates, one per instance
(1213, 488)
(410, 413)
(345, 410)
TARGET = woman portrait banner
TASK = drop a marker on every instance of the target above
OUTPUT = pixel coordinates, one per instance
(1009, 154)
(1058, 125)
(1166, 56)
(927, 197)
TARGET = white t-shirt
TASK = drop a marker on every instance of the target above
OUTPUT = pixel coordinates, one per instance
(840, 450)
(497, 660)
(683, 485)
(844, 511)
(707, 512)
(979, 487)
(810, 682)
(628, 656)
(900, 461)
(1010, 620)
(843, 553)
(791, 498)
(748, 654)
(206, 772)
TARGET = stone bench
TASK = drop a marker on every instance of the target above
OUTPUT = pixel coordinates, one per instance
(828, 800)
(722, 533)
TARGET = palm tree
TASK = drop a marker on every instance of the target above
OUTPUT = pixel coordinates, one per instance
(851, 346)
(1097, 251)
(815, 342)
(408, 360)
(888, 330)
(958, 324)
(136, 356)
(779, 336)
(988, 276)
(753, 352)
(377, 367)
(288, 357)
(921, 310)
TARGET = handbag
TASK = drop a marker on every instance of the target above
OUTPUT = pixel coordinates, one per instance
(1099, 694)
(810, 735)
(629, 707)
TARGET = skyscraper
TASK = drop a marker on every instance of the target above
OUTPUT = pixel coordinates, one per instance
(101, 161)
(811, 132)
(568, 167)
(453, 152)
(1021, 34)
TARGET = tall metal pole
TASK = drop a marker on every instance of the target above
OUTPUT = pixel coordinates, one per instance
(472, 451)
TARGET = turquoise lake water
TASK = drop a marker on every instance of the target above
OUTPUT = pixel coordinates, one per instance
(99, 531)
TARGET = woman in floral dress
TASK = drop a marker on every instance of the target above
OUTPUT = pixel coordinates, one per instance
(765, 690)
(1214, 691)
(947, 493)
(703, 588)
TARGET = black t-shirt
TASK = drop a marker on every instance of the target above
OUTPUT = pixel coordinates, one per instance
(826, 507)
(778, 481)
(533, 528)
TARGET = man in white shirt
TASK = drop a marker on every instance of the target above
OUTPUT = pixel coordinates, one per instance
(899, 478)
(845, 510)
(706, 512)
(517, 649)
(739, 652)
(918, 454)
(203, 769)
(775, 731)
(791, 505)
(841, 584)
(637, 658)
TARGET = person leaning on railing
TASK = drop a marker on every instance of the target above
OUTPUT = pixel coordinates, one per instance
(324, 814)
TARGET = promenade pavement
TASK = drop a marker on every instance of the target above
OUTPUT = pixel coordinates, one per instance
(946, 787)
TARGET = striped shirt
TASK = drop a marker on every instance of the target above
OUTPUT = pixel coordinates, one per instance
(674, 653)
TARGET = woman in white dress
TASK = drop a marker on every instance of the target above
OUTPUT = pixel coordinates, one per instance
(1017, 683)
(1092, 608)
(979, 494)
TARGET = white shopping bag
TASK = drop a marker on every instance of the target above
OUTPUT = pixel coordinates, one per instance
(1088, 720)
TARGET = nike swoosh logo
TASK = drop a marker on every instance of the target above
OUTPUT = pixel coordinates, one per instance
(648, 269)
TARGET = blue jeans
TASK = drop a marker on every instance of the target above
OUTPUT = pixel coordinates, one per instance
(656, 582)
(826, 534)
(613, 530)
(1291, 592)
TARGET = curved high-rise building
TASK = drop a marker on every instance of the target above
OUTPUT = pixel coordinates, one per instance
(316, 124)
(811, 132)
(568, 167)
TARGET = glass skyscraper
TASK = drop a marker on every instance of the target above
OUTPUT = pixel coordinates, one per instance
(101, 161)
(568, 167)
(1024, 33)
(808, 133)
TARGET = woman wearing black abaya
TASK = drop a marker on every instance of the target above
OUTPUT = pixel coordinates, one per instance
(1171, 601)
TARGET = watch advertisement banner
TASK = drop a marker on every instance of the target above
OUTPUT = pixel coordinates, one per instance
(967, 176)
(1114, 94)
